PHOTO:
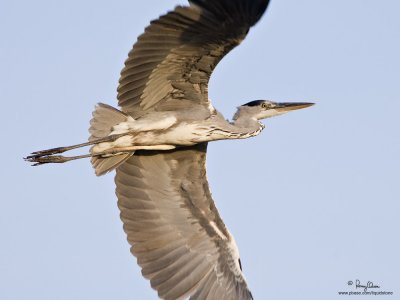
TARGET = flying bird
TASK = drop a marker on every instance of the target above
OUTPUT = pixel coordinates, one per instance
(157, 143)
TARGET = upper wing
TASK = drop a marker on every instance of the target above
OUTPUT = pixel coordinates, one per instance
(172, 61)
(174, 228)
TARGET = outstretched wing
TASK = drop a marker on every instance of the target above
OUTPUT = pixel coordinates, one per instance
(176, 233)
(170, 65)
(175, 230)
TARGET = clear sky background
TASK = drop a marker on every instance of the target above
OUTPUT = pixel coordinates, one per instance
(313, 202)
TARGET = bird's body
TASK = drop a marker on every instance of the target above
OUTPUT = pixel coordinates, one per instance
(157, 144)
(168, 130)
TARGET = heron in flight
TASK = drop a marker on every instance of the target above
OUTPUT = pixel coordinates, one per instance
(157, 143)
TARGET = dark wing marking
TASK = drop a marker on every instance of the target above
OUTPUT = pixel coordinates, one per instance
(170, 65)
(175, 230)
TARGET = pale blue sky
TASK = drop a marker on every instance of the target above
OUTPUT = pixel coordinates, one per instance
(313, 202)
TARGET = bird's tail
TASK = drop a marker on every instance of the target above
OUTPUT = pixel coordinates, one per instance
(104, 118)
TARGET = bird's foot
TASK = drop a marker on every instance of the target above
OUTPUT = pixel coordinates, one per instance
(49, 152)
(40, 159)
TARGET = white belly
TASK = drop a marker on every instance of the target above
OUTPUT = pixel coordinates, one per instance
(161, 135)
(190, 134)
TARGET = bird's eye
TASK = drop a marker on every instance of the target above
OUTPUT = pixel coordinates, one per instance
(264, 105)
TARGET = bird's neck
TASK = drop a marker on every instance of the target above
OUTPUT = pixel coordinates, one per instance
(246, 125)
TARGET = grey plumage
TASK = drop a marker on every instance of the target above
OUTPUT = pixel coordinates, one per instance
(174, 58)
(178, 188)
(104, 117)
(166, 207)
(169, 216)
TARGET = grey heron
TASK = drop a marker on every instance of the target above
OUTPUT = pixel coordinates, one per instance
(157, 143)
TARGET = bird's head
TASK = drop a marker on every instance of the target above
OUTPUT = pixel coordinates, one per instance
(262, 109)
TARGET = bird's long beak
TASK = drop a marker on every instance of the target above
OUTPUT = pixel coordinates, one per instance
(288, 106)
